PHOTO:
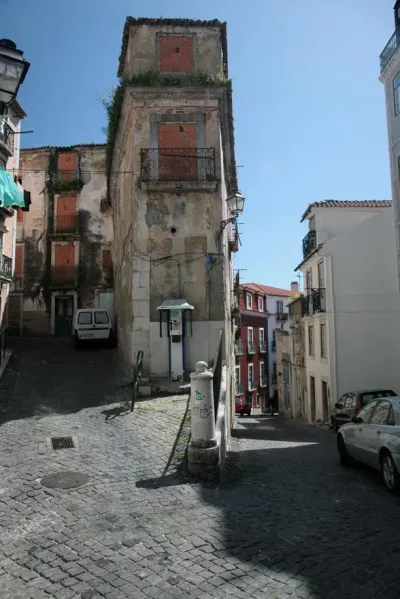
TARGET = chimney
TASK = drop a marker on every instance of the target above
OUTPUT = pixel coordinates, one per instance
(294, 287)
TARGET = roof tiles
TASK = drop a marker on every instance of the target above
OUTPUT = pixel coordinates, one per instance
(346, 204)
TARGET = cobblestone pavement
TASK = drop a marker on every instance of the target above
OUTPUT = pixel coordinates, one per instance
(286, 520)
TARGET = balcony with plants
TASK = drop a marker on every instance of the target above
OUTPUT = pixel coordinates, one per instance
(309, 243)
(6, 267)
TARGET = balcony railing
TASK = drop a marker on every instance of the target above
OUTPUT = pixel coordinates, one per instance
(66, 223)
(282, 316)
(390, 50)
(239, 388)
(64, 275)
(314, 302)
(239, 348)
(309, 243)
(6, 267)
(7, 136)
(263, 381)
(262, 347)
(251, 347)
(252, 385)
(177, 164)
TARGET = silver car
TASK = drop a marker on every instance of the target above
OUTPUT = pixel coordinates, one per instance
(373, 437)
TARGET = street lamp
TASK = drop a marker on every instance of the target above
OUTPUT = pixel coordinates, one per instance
(235, 203)
(13, 69)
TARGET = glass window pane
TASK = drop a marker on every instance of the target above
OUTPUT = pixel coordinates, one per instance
(381, 413)
(101, 317)
(85, 318)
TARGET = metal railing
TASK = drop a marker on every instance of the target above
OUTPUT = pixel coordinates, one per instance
(282, 316)
(252, 385)
(239, 388)
(314, 302)
(239, 348)
(64, 275)
(7, 135)
(263, 381)
(177, 164)
(6, 267)
(389, 50)
(309, 243)
(262, 347)
(251, 347)
(66, 223)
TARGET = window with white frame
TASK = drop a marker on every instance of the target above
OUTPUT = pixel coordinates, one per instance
(396, 91)
(262, 370)
(261, 334)
(250, 334)
(260, 304)
(249, 301)
(251, 376)
(323, 340)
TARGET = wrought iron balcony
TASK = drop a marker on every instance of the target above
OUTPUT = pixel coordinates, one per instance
(282, 316)
(251, 347)
(7, 136)
(262, 347)
(239, 388)
(389, 50)
(6, 268)
(64, 276)
(239, 348)
(178, 167)
(314, 302)
(252, 385)
(309, 243)
(263, 381)
(66, 223)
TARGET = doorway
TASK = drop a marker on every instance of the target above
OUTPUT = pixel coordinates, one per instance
(325, 411)
(312, 397)
(64, 310)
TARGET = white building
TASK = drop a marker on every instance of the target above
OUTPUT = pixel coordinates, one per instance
(351, 301)
(390, 77)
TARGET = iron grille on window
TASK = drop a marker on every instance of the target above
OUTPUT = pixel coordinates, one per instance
(178, 164)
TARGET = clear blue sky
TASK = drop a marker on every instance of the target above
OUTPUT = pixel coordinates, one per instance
(309, 109)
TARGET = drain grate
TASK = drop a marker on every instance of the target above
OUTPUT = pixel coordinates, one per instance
(62, 443)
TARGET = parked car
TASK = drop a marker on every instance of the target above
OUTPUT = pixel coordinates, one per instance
(242, 406)
(93, 325)
(351, 403)
(373, 437)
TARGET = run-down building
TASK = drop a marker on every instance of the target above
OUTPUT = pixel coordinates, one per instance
(171, 172)
(63, 244)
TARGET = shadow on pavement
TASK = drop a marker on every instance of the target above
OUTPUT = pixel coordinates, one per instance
(309, 526)
(47, 376)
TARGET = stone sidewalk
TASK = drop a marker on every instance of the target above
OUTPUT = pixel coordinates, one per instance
(286, 520)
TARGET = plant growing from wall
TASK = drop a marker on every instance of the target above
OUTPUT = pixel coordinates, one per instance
(113, 104)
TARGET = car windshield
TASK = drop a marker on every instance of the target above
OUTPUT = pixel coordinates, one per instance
(85, 318)
(101, 317)
(367, 397)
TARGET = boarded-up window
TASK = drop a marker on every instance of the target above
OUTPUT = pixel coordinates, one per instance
(19, 260)
(68, 166)
(176, 54)
(66, 218)
(107, 259)
(177, 147)
(64, 255)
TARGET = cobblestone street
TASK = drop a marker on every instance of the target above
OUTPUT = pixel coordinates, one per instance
(286, 520)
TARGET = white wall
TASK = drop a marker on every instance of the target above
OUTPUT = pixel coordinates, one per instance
(366, 305)
(330, 222)
(273, 324)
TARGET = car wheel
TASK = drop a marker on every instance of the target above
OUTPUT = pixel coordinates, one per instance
(335, 425)
(389, 472)
(344, 457)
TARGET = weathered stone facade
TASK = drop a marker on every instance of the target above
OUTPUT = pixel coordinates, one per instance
(172, 168)
(298, 392)
(63, 252)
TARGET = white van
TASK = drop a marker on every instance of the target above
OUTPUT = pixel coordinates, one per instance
(93, 324)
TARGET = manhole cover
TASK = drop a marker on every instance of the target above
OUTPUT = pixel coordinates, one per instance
(62, 443)
(64, 480)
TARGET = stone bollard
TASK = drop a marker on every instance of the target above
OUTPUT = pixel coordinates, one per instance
(203, 452)
(202, 404)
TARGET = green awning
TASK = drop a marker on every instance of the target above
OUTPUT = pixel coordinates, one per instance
(10, 194)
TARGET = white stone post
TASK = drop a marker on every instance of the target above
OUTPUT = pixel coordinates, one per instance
(202, 405)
